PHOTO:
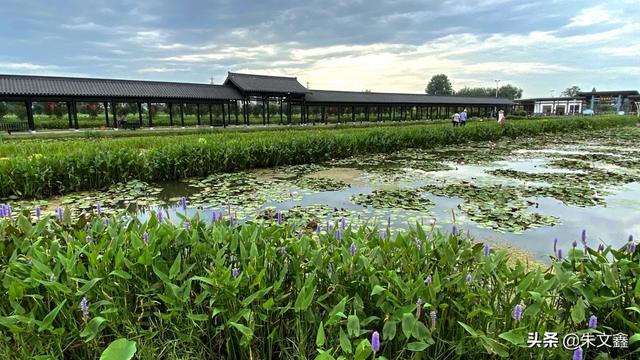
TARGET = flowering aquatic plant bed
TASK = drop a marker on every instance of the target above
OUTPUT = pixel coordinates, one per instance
(182, 289)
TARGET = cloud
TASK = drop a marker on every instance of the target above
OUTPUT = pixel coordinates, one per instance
(595, 15)
(25, 66)
(162, 70)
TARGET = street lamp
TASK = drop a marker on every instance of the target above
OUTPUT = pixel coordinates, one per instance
(495, 108)
(497, 82)
(553, 106)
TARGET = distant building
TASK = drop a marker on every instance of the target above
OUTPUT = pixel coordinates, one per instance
(596, 101)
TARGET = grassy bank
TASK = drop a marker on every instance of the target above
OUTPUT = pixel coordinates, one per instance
(43, 168)
(276, 292)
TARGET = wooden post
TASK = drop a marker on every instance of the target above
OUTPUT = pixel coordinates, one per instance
(223, 115)
(198, 113)
(170, 106)
(268, 111)
(353, 113)
(182, 114)
(106, 112)
(69, 110)
(280, 110)
(150, 114)
(264, 116)
(235, 109)
(114, 111)
(140, 113)
(210, 115)
(366, 113)
(325, 119)
(229, 113)
(29, 105)
(75, 114)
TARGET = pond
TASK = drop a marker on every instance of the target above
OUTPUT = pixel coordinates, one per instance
(520, 193)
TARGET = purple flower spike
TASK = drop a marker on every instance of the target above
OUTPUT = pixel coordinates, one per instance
(600, 248)
(631, 247)
(574, 244)
(593, 322)
(145, 237)
(487, 250)
(555, 245)
(583, 236)
(283, 250)
(433, 316)
(106, 221)
(454, 230)
(389, 221)
(318, 228)
(352, 249)
(559, 254)
(98, 209)
(52, 278)
(343, 223)
(279, 217)
(183, 202)
(2, 211)
(84, 307)
(235, 272)
(383, 234)
(214, 216)
(517, 312)
(577, 355)
(338, 235)
(428, 280)
(232, 220)
(88, 239)
(418, 244)
(59, 213)
(375, 342)
(38, 212)
(187, 226)
(160, 215)
(468, 278)
(630, 238)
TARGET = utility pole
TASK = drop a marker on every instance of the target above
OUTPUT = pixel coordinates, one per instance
(497, 82)
(211, 79)
(553, 106)
(495, 108)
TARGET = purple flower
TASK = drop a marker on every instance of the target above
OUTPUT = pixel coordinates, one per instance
(600, 248)
(330, 268)
(577, 355)
(389, 221)
(279, 215)
(52, 278)
(631, 247)
(183, 202)
(517, 312)
(555, 245)
(318, 228)
(338, 235)
(432, 315)
(59, 213)
(468, 278)
(418, 244)
(98, 209)
(574, 244)
(583, 236)
(84, 307)
(593, 322)
(383, 234)
(160, 215)
(88, 239)
(352, 249)
(187, 226)
(428, 280)
(283, 250)
(235, 272)
(38, 212)
(232, 220)
(375, 342)
(454, 230)
(419, 302)
(106, 221)
(487, 250)
(2, 211)
(343, 223)
(214, 216)
(630, 238)
(559, 254)
(145, 237)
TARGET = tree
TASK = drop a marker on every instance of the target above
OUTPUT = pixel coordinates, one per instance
(439, 85)
(58, 111)
(571, 91)
(477, 91)
(21, 111)
(4, 109)
(510, 92)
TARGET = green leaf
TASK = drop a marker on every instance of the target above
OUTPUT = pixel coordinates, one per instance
(577, 312)
(408, 323)
(243, 329)
(121, 349)
(469, 329)
(92, 329)
(175, 268)
(377, 289)
(86, 287)
(320, 335)
(198, 317)
(305, 297)
(337, 312)
(515, 336)
(634, 338)
(389, 330)
(417, 346)
(363, 350)
(353, 325)
(121, 274)
(48, 320)
(345, 343)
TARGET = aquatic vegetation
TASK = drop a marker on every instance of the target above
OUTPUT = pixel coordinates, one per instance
(406, 199)
(223, 290)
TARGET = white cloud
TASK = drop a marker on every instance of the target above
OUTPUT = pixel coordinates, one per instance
(25, 66)
(162, 70)
(595, 15)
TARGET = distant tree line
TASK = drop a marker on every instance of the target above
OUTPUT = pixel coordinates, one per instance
(441, 85)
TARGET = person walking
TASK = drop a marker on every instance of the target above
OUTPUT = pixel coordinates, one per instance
(456, 119)
(463, 117)
(501, 118)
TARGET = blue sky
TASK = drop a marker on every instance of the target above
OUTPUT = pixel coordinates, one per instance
(353, 45)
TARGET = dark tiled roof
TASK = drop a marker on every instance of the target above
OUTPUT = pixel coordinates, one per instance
(21, 85)
(609, 93)
(327, 96)
(564, 98)
(265, 83)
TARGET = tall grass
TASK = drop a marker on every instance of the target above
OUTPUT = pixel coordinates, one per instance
(33, 168)
(292, 295)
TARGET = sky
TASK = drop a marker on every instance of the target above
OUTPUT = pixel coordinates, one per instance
(541, 46)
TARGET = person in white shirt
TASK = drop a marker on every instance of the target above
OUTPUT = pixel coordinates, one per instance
(456, 119)
(501, 117)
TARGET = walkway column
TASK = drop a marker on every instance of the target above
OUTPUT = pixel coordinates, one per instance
(114, 111)
(324, 117)
(150, 114)
(210, 115)
(264, 117)
(268, 112)
(170, 106)
(29, 106)
(280, 110)
(75, 114)
(224, 115)
(140, 113)
(106, 112)
(366, 113)
(353, 113)
(198, 113)
(235, 109)
(182, 114)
